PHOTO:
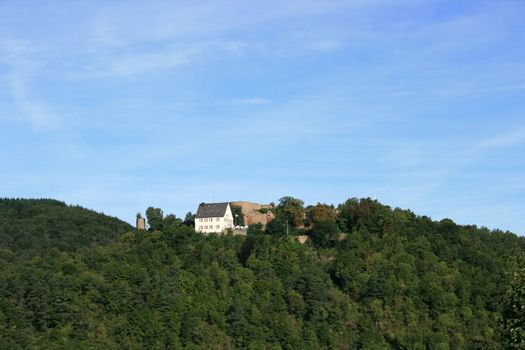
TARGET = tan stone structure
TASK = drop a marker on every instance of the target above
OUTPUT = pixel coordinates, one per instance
(255, 213)
(141, 224)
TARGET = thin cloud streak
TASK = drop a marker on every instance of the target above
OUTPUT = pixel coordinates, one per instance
(22, 71)
(245, 101)
(510, 138)
(123, 64)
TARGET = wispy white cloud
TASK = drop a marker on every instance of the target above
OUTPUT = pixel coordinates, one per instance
(325, 45)
(23, 68)
(453, 89)
(128, 62)
(164, 20)
(505, 139)
(245, 101)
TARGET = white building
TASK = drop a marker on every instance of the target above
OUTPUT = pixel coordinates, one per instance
(213, 217)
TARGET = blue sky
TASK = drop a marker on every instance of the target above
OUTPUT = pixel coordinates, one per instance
(121, 105)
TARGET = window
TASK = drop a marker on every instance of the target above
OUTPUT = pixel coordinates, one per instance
(217, 219)
(218, 227)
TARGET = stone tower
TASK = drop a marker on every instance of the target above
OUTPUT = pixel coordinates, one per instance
(141, 223)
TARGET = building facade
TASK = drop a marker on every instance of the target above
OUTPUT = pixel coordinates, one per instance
(213, 217)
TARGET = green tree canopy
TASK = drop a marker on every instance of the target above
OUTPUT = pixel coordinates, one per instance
(396, 281)
(514, 305)
(320, 212)
(292, 209)
(238, 215)
(155, 218)
(189, 219)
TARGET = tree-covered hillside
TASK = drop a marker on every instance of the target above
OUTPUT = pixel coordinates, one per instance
(32, 227)
(370, 277)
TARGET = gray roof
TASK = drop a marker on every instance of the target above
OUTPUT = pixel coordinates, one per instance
(211, 210)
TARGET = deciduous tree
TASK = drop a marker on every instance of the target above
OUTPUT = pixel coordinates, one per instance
(155, 218)
(293, 210)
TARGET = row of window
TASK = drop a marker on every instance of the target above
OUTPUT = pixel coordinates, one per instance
(205, 227)
(208, 219)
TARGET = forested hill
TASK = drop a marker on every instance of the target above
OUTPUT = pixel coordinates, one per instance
(394, 281)
(31, 227)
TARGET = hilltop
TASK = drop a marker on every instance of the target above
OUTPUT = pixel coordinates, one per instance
(32, 227)
(397, 281)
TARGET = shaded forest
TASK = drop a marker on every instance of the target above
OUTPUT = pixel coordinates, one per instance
(369, 277)
(30, 228)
